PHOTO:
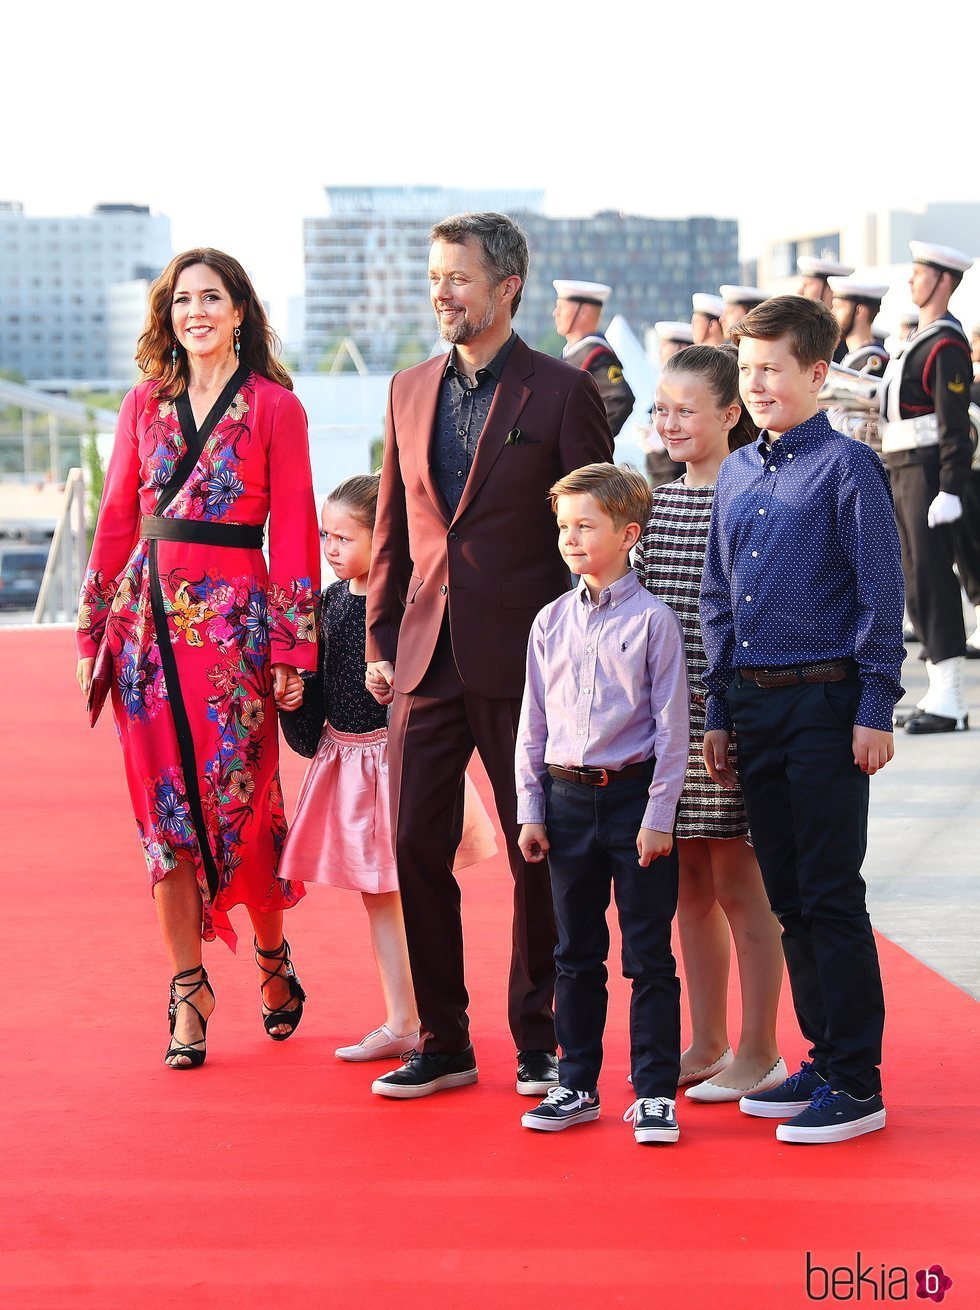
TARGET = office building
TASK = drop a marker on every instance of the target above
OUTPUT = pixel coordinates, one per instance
(55, 280)
(366, 264)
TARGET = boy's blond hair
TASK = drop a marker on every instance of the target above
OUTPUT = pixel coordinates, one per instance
(619, 491)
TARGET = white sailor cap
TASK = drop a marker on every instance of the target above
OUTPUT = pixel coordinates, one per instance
(826, 268)
(587, 293)
(733, 295)
(910, 318)
(703, 303)
(854, 288)
(672, 331)
(942, 257)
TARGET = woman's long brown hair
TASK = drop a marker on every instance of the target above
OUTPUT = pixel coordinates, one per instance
(259, 344)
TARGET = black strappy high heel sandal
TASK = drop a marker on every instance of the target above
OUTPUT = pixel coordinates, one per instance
(193, 1052)
(284, 969)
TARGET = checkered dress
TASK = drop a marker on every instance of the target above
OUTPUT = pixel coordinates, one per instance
(668, 561)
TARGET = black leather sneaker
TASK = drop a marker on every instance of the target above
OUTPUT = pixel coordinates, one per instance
(537, 1072)
(424, 1073)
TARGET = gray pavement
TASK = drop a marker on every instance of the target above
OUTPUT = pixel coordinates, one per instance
(923, 863)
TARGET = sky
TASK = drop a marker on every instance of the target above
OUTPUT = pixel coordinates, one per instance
(231, 118)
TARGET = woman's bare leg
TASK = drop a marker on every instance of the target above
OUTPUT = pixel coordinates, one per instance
(706, 948)
(178, 906)
(387, 927)
(738, 886)
(267, 926)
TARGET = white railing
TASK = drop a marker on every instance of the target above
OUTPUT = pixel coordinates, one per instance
(57, 601)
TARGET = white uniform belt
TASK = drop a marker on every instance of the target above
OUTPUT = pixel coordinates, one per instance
(909, 434)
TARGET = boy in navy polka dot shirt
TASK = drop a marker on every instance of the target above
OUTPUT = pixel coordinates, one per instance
(801, 610)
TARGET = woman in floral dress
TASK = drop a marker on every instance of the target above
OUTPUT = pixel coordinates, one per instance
(202, 634)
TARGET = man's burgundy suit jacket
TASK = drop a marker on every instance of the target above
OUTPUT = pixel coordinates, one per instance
(495, 563)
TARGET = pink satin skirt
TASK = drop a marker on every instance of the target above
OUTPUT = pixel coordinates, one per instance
(340, 835)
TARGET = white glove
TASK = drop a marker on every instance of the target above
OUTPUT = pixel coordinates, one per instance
(946, 508)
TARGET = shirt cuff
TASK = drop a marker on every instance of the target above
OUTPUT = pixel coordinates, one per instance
(716, 716)
(875, 709)
(530, 809)
(658, 818)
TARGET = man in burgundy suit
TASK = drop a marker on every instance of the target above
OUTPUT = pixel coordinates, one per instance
(464, 557)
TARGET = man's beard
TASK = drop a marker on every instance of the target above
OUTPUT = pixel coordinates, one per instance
(464, 329)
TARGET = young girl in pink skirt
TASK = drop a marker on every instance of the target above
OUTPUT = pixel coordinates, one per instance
(340, 835)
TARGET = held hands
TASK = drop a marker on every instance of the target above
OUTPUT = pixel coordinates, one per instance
(715, 752)
(533, 841)
(287, 687)
(872, 747)
(651, 844)
(83, 674)
(946, 508)
(378, 679)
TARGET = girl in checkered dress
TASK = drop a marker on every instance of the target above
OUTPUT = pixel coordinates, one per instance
(699, 418)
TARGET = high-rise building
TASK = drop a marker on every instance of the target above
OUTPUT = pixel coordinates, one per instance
(366, 266)
(55, 276)
(876, 239)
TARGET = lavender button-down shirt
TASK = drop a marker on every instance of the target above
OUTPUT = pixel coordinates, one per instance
(606, 687)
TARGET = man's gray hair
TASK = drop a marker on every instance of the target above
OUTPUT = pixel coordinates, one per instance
(503, 243)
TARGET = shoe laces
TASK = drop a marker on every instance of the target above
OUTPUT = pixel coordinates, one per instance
(559, 1095)
(824, 1097)
(793, 1081)
(652, 1107)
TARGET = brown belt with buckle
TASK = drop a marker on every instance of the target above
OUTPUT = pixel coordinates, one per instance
(823, 671)
(593, 776)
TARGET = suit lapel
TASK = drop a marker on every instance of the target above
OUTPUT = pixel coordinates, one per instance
(425, 402)
(509, 398)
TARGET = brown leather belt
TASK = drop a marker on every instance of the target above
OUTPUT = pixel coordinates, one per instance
(823, 671)
(593, 776)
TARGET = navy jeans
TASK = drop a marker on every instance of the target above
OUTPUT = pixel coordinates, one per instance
(807, 805)
(592, 831)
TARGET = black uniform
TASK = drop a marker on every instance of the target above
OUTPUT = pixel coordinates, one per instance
(931, 377)
(968, 527)
(596, 356)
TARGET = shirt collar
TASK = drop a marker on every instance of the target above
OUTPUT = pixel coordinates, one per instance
(807, 433)
(614, 594)
(496, 365)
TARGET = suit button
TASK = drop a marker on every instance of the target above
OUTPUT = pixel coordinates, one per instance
(454, 536)
(443, 590)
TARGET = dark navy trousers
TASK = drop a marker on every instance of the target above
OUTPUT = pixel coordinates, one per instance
(592, 831)
(807, 806)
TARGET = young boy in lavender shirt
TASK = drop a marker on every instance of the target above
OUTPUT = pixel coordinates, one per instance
(601, 757)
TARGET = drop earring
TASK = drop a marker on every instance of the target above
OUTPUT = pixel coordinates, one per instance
(238, 343)
(173, 352)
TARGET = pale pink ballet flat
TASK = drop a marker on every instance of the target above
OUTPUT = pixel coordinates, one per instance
(382, 1044)
(718, 1092)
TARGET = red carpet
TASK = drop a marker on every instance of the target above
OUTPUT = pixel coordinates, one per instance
(272, 1177)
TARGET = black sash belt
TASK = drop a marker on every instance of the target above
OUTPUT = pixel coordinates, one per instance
(246, 536)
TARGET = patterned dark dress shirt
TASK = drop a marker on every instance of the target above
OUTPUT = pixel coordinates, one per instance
(460, 418)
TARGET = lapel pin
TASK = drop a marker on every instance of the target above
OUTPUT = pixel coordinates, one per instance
(513, 437)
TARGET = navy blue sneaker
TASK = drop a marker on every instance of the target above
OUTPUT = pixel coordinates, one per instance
(561, 1108)
(789, 1098)
(653, 1119)
(834, 1117)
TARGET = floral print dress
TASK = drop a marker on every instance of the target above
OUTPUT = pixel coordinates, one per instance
(198, 727)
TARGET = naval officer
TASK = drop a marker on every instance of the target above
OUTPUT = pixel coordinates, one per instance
(576, 314)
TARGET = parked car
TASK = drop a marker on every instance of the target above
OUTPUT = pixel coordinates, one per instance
(21, 571)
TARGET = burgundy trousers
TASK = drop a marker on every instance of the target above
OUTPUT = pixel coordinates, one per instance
(431, 737)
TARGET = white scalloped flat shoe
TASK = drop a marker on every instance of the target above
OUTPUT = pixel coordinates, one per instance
(710, 1092)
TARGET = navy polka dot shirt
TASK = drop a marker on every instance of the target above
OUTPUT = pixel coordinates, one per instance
(803, 564)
